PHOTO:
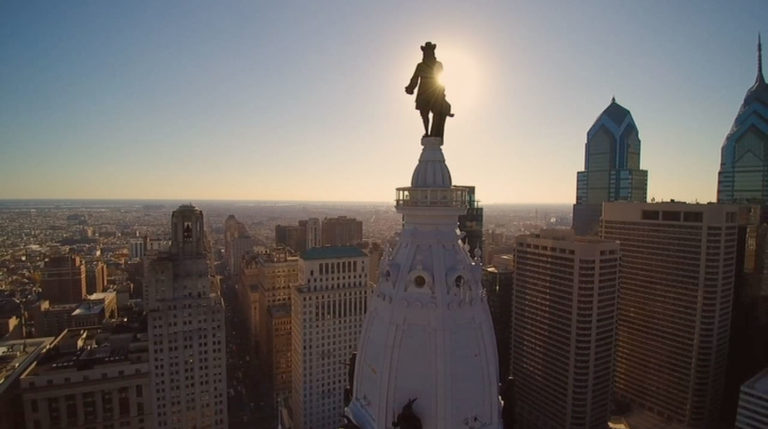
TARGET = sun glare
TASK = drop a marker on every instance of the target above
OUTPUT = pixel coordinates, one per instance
(461, 77)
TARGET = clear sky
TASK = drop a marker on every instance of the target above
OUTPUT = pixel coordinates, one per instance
(305, 101)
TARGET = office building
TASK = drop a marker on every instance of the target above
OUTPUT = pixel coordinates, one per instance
(564, 317)
(427, 350)
(342, 231)
(185, 318)
(15, 358)
(277, 345)
(753, 403)
(498, 283)
(95, 277)
(313, 232)
(138, 248)
(677, 274)
(62, 280)
(471, 224)
(327, 310)
(611, 168)
(743, 176)
(237, 243)
(292, 236)
(89, 378)
(743, 179)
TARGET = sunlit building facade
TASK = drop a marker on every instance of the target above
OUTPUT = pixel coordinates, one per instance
(327, 312)
(674, 310)
(185, 318)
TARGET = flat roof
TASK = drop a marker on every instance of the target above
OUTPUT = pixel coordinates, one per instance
(759, 382)
(332, 252)
(16, 356)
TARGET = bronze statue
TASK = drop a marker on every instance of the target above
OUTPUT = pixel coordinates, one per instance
(431, 94)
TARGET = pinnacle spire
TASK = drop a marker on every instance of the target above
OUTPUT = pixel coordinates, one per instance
(760, 77)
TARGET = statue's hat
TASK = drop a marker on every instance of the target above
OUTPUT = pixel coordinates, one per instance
(429, 46)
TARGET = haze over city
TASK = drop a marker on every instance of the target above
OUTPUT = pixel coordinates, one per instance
(246, 100)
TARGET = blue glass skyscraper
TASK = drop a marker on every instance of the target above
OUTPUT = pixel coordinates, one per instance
(743, 176)
(611, 168)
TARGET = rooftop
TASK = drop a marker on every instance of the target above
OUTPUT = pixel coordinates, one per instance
(332, 252)
(85, 348)
(16, 356)
(759, 382)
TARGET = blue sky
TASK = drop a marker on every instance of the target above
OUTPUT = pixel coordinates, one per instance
(304, 100)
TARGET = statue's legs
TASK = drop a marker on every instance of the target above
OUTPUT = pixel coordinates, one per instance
(425, 120)
(438, 125)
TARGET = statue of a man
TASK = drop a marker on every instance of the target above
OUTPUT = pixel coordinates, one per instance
(431, 94)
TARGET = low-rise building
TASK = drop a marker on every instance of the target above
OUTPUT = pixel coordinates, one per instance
(89, 378)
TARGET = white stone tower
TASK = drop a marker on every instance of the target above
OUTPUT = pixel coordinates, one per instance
(428, 333)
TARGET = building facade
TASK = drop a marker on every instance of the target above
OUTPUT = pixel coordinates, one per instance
(185, 318)
(237, 243)
(563, 328)
(677, 277)
(89, 378)
(498, 283)
(95, 277)
(471, 224)
(63, 280)
(611, 168)
(743, 176)
(327, 311)
(342, 231)
(753, 403)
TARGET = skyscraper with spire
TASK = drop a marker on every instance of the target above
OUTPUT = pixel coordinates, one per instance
(743, 179)
(611, 167)
(743, 176)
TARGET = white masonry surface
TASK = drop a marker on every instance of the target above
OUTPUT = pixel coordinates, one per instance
(428, 332)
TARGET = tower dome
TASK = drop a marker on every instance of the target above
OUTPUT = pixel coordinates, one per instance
(427, 349)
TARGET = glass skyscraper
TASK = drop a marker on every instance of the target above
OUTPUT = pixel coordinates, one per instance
(611, 168)
(743, 176)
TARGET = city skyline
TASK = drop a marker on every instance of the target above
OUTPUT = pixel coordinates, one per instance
(126, 101)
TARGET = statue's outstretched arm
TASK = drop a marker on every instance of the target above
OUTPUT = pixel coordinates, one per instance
(414, 81)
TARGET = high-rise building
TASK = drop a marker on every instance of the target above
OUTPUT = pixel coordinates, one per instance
(563, 324)
(743, 179)
(743, 176)
(471, 223)
(277, 271)
(327, 311)
(313, 232)
(237, 243)
(342, 231)
(63, 280)
(498, 283)
(95, 277)
(427, 355)
(185, 318)
(89, 378)
(611, 168)
(677, 275)
(138, 248)
(753, 403)
(291, 236)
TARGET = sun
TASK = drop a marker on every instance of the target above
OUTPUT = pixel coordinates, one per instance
(461, 77)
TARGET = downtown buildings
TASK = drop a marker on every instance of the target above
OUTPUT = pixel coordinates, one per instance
(185, 317)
